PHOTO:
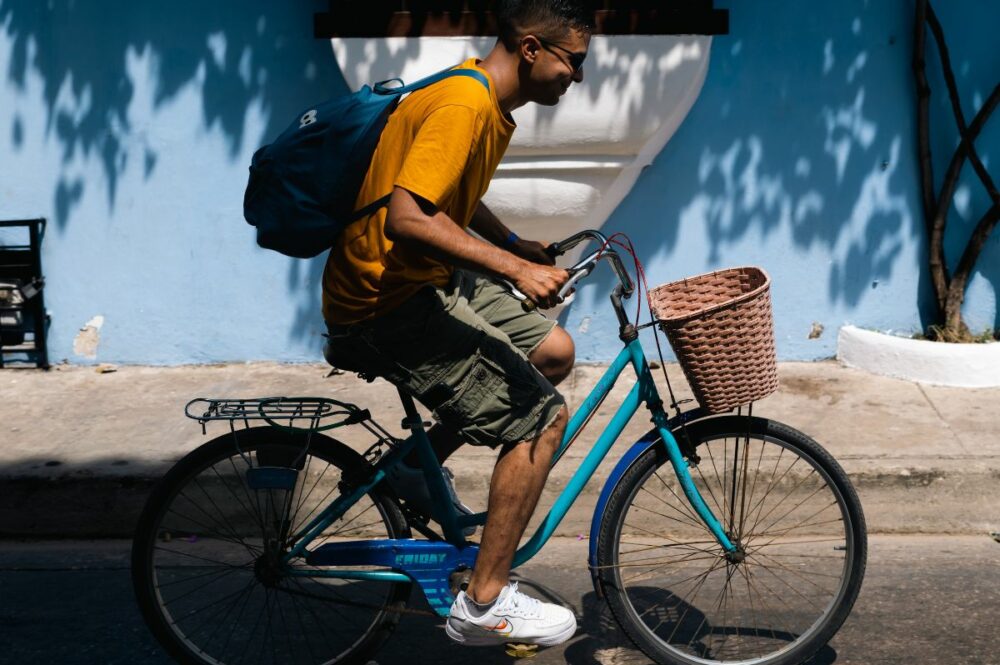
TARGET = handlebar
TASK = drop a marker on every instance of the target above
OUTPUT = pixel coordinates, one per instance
(560, 248)
(584, 267)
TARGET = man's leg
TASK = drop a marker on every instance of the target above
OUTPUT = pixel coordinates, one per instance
(553, 357)
(518, 479)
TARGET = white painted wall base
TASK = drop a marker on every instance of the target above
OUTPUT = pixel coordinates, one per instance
(960, 365)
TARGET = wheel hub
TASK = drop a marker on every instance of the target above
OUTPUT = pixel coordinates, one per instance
(267, 569)
(737, 556)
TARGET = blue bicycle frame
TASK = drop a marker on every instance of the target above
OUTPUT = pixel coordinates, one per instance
(430, 563)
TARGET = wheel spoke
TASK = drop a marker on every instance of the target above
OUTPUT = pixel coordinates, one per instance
(755, 510)
(210, 622)
(794, 508)
(201, 558)
(761, 518)
(784, 531)
(754, 581)
(787, 584)
(233, 535)
(685, 509)
(253, 509)
(652, 561)
(225, 483)
(224, 594)
(689, 604)
(658, 535)
(236, 622)
(668, 517)
(212, 533)
(223, 574)
(346, 524)
(674, 543)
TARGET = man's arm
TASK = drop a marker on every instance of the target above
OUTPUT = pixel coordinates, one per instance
(489, 226)
(415, 221)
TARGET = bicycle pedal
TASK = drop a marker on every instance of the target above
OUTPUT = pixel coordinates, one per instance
(521, 650)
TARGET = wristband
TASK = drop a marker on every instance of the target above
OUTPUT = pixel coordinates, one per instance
(511, 239)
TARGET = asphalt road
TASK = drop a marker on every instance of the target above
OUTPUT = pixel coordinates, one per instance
(926, 599)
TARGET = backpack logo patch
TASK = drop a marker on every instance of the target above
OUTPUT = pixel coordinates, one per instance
(308, 118)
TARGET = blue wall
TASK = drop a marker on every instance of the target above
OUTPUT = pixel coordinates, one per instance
(800, 156)
(130, 125)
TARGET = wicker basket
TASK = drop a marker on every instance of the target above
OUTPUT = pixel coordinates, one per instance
(721, 329)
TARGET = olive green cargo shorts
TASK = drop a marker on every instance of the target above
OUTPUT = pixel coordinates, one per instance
(462, 351)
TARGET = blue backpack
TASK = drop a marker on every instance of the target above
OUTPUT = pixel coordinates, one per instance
(303, 187)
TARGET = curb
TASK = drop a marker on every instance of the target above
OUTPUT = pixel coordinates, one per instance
(909, 499)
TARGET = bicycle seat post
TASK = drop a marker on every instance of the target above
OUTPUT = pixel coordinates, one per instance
(412, 419)
(433, 474)
(416, 425)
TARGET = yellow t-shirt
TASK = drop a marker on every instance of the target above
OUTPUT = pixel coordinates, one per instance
(443, 143)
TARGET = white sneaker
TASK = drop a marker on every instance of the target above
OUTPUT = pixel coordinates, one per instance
(513, 617)
(410, 485)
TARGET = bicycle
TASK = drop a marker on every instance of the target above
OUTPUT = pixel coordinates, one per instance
(752, 551)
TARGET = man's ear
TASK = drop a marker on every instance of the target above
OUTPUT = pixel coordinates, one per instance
(530, 46)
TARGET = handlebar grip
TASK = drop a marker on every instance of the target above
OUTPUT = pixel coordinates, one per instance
(554, 250)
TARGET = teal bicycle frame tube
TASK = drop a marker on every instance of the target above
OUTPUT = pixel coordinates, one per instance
(327, 517)
(340, 505)
(644, 390)
(580, 478)
(677, 460)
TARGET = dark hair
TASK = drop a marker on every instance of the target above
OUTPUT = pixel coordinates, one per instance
(545, 18)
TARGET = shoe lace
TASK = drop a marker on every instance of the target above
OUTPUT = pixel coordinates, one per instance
(522, 604)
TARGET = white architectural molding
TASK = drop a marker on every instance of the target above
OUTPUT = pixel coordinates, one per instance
(961, 365)
(568, 166)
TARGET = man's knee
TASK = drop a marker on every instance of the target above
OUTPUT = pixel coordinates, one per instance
(547, 437)
(553, 434)
(561, 419)
(555, 356)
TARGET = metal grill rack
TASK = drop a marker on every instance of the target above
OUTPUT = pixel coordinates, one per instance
(23, 320)
(299, 414)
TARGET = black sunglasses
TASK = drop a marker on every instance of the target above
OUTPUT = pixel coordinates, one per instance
(575, 59)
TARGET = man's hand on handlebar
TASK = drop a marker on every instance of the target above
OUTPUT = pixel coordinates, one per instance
(541, 283)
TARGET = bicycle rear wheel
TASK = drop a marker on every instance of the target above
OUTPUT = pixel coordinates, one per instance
(791, 511)
(206, 550)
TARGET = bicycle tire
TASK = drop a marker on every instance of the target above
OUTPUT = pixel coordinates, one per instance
(199, 548)
(657, 617)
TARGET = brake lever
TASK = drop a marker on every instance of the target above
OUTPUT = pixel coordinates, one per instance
(554, 250)
(570, 284)
(565, 291)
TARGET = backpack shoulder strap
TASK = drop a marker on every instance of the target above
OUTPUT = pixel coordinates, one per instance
(431, 80)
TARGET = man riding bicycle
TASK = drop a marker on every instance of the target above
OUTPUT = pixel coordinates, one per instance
(410, 296)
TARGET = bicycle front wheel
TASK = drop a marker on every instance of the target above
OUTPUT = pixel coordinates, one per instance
(206, 556)
(794, 517)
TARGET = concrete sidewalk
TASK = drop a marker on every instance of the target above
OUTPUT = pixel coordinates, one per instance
(80, 449)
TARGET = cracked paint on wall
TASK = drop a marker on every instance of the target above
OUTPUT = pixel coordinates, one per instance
(86, 341)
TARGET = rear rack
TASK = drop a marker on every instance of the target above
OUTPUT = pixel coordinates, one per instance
(288, 413)
(295, 414)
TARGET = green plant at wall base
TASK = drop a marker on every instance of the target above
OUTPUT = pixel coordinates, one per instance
(939, 334)
(949, 286)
